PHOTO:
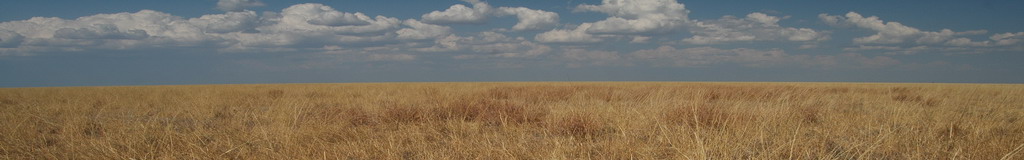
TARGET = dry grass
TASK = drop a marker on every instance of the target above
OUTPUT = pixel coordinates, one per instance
(639, 120)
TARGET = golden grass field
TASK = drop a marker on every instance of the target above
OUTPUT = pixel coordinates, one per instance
(528, 120)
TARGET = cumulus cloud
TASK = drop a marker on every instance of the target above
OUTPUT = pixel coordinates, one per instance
(145, 29)
(637, 16)
(444, 44)
(99, 31)
(966, 42)
(754, 27)
(319, 18)
(313, 25)
(578, 35)
(228, 22)
(9, 39)
(459, 13)
(499, 45)
(453, 42)
(642, 20)
(1008, 38)
(529, 19)
(518, 49)
(898, 35)
(238, 5)
(420, 30)
(891, 32)
(317, 28)
(488, 44)
(318, 14)
(299, 27)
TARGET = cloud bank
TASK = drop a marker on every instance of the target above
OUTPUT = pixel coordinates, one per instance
(630, 32)
(894, 36)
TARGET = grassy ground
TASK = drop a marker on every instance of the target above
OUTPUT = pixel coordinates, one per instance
(628, 120)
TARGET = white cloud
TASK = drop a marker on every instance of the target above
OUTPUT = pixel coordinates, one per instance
(578, 35)
(260, 41)
(228, 22)
(1008, 38)
(459, 13)
(530, 19)
(9, 39)
(491, 37)
(966, 42)
(642, 20)
(299, 27)
(311, 25)
(321, 19)
(420, 30)
(488, 44)
(942, 41)
(499, 45)
(156, 24)
(317, 28)
(143, 29)
(238, 5)
(453, 42)
(754, 27)
(891, 32)
(522, 49)
(99, 31)
(324, 15)
(444, 44)
(763, 19)
(895, 32)
(637, 16)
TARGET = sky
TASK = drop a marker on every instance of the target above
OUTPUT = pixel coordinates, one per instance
(149, 42)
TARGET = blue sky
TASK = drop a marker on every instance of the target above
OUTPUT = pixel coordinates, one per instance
(148, 42)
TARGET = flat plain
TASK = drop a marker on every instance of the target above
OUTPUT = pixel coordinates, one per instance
(516, 120)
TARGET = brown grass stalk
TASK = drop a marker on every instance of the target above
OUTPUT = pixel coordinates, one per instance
(537, 120)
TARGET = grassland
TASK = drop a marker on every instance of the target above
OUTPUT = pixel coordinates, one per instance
(634, 120)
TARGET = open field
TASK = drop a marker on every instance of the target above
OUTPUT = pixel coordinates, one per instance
(563, 120)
